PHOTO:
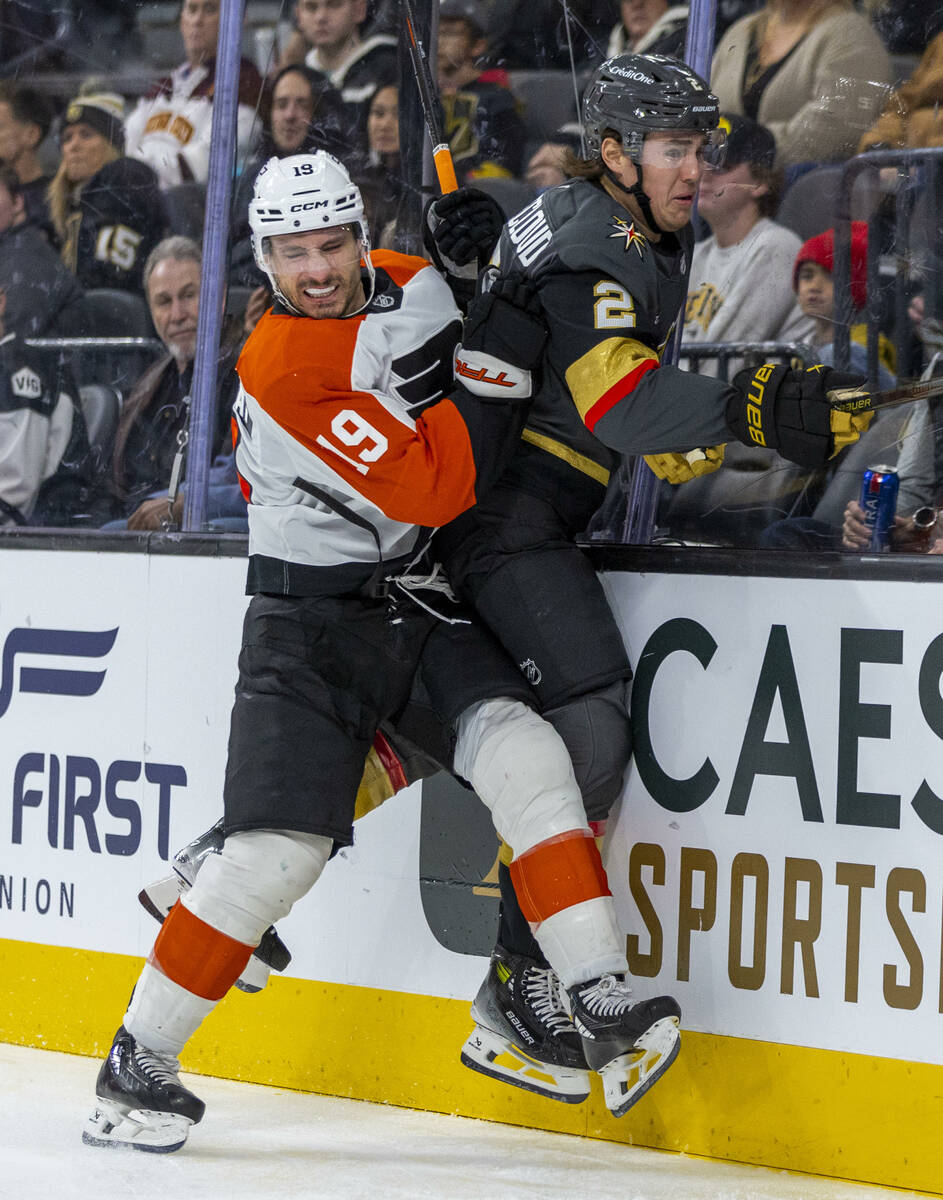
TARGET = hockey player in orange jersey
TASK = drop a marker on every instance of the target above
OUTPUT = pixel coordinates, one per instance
(352, 440)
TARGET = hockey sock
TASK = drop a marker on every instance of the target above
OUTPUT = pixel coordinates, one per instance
(563, 892)
(191, 967)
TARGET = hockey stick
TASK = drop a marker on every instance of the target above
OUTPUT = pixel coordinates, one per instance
(852, 400)
(441, 154)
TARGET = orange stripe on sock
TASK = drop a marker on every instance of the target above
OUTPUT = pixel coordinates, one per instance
(197, 956)
(558, 873)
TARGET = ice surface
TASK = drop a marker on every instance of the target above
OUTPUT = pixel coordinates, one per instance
(260, 1143)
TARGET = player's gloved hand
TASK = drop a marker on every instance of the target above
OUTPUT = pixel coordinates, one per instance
(790, 411)
(680, 468)
(503, 341)
(461, 229)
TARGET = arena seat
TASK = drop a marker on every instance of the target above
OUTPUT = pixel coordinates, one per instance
(511, 194)
(548, 100)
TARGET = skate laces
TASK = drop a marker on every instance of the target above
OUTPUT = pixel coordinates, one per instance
(544, 993)
(608, 996)
(161, 1068)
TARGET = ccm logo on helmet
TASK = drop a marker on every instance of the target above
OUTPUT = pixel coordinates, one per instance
(308, 205)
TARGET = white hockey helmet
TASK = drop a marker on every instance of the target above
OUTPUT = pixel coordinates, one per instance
(301, 193)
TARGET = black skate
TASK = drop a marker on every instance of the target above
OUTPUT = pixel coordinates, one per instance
(631, 1044)
(159, 897)
(523, 1034)
(140, 1101)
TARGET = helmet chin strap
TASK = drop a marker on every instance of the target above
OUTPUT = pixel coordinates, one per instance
(638, 194)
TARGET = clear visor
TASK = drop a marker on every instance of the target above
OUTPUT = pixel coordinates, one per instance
(672, 150)
(329, 250)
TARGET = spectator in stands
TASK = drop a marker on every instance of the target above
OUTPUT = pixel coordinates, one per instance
(106, 208)
(170, 129)
(306, 113)
(905, 26)
(917, 456)
(25, 120)
(157, 410)
(649, 27)
(42, 293)
(532, 34)
(912, 116)
(814, 72)
(379, 178)
(545, 167)
(815, 288)
(354, 65)
(44, 454)
(481, 118)
(739, 289)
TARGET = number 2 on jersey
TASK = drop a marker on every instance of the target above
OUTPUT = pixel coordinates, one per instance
(614, 307)
(351, 429)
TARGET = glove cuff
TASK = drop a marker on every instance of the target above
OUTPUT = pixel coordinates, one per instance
(491, 378)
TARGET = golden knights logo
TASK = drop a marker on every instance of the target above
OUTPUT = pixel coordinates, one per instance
(632, 236)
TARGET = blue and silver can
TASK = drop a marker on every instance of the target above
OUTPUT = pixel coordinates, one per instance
(879, 500)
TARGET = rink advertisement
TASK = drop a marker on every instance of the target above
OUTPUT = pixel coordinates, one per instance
(775, 857)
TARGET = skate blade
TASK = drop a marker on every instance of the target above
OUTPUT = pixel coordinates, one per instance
(118, 1127)
(159, 897)
(497, 1056)
(627, 1078)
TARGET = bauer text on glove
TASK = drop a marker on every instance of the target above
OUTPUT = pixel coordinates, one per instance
(790, 411)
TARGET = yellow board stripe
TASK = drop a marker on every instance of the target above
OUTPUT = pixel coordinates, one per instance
(846, 1115)
(558, 450)
(601, 368)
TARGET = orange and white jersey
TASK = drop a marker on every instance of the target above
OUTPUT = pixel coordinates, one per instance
(354, 409)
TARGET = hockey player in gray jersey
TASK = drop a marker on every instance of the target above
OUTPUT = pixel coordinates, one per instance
(607, 255)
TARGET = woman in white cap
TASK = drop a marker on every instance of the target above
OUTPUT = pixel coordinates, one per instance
(106, 208)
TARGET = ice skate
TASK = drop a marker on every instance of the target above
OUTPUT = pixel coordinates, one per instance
(630, 1043)
(523, 1034)
(159, 897)
(140, 1102)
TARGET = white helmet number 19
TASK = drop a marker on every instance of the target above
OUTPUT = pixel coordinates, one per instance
(351, 429)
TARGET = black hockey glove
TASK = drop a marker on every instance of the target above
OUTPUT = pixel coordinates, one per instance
(503, 341)
(790, 411)
(461, 229)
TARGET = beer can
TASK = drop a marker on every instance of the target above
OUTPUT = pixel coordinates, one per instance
(879, 501)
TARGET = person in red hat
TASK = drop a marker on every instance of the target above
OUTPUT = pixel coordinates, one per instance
(815, 290)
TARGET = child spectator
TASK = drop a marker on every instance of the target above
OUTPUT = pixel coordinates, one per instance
(482, 121)
(814, 72)
(740, 275)
(25, 119)
(812, 281)
(649, 27)
(106, 209)
(170, 129)
(44, 454)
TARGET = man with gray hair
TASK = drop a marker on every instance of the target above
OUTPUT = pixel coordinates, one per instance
(155, 417)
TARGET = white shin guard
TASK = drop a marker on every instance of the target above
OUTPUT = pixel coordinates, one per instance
(250, 885)
(583, 941)
(255, 880)
(519, 766)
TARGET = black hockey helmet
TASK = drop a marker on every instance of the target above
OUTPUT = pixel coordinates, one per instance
(636, 94)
